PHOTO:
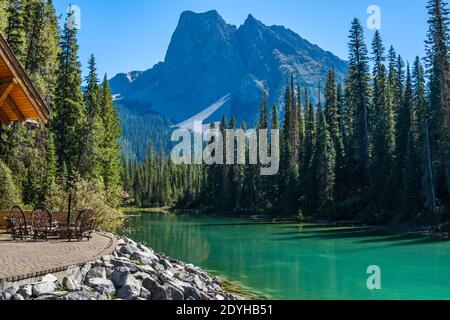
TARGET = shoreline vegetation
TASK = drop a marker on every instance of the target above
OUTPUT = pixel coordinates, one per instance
(441, 231)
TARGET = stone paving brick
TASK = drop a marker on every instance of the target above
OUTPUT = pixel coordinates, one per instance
(24, 259)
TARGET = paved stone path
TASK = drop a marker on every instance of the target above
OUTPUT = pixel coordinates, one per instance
(26, 259)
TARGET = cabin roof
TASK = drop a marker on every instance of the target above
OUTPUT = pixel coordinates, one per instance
(19, 98)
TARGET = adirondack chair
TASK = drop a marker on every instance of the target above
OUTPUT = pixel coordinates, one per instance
(19, 228)
(42, 222)
(84, 226)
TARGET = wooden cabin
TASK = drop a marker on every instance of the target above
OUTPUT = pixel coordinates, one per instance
(19, 99)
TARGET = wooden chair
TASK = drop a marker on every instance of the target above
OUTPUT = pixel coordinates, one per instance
(19, 228)
(84, 226)
(42, 222)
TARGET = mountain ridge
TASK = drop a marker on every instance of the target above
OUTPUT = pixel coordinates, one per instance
(208, 58)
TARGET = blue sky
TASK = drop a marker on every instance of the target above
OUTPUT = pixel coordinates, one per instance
(134, 34)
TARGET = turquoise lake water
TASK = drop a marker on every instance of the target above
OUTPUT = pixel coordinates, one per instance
(291, 261)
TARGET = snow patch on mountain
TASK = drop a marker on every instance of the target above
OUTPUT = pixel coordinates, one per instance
(200, 117)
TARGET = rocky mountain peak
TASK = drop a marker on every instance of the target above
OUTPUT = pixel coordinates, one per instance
(208, 59)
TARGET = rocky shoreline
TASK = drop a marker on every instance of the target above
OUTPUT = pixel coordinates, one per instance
(131, 272)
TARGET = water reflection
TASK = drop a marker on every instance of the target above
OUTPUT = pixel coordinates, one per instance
(177, 239)
(288, 261)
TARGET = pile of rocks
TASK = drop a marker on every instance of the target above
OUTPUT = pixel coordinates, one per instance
(132, 272)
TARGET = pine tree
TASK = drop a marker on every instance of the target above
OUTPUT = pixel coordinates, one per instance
(111, 151)
(240, 178)
(92, 92)
(33, 26)
(234, 177)
(309, 172)
(404, 124)
(333, 120)
(383, 138)
(263, 124)
(249, 184)
(411, 194)
(301, 122)
(90, 165)
(289, 153)
(214, 176)
(358, 90)
(41, 45)
(428, 183)
(342, 171)
(408, 182)
(3, 15)
(14, 28)
(286, 152)
(68, 109)
(324, 161)
(438, 67)
(395, 88)
(331, 110)
(274, 184)
(294, 127)
(223, 179)
(263, 112)
(344, 119)
(310, 136)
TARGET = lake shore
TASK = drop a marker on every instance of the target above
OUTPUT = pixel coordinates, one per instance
(132, 272)
(291, 261)
(437, 231)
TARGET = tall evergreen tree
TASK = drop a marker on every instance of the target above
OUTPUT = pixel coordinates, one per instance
(92, 91)
(294, 126)
(428, 183)
(333, 119)
(223, 179)
(358, 90)
(383, 137)
(324, 161)
(289, 152)
(344, 119)
(395, 88)
(249, 185)
(263, 124)
(234, 177)
(301, 122)
(438, 66)
(90, 165)
(3, 15)
(411, 195)
(68, 109)
(310, 136)
(110, 146)
(14, 28)
(404, 123)
(309, 189)
(41, 45)
(273, 187)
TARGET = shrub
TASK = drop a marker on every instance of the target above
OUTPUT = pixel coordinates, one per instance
(9, 195)
(87, 194)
